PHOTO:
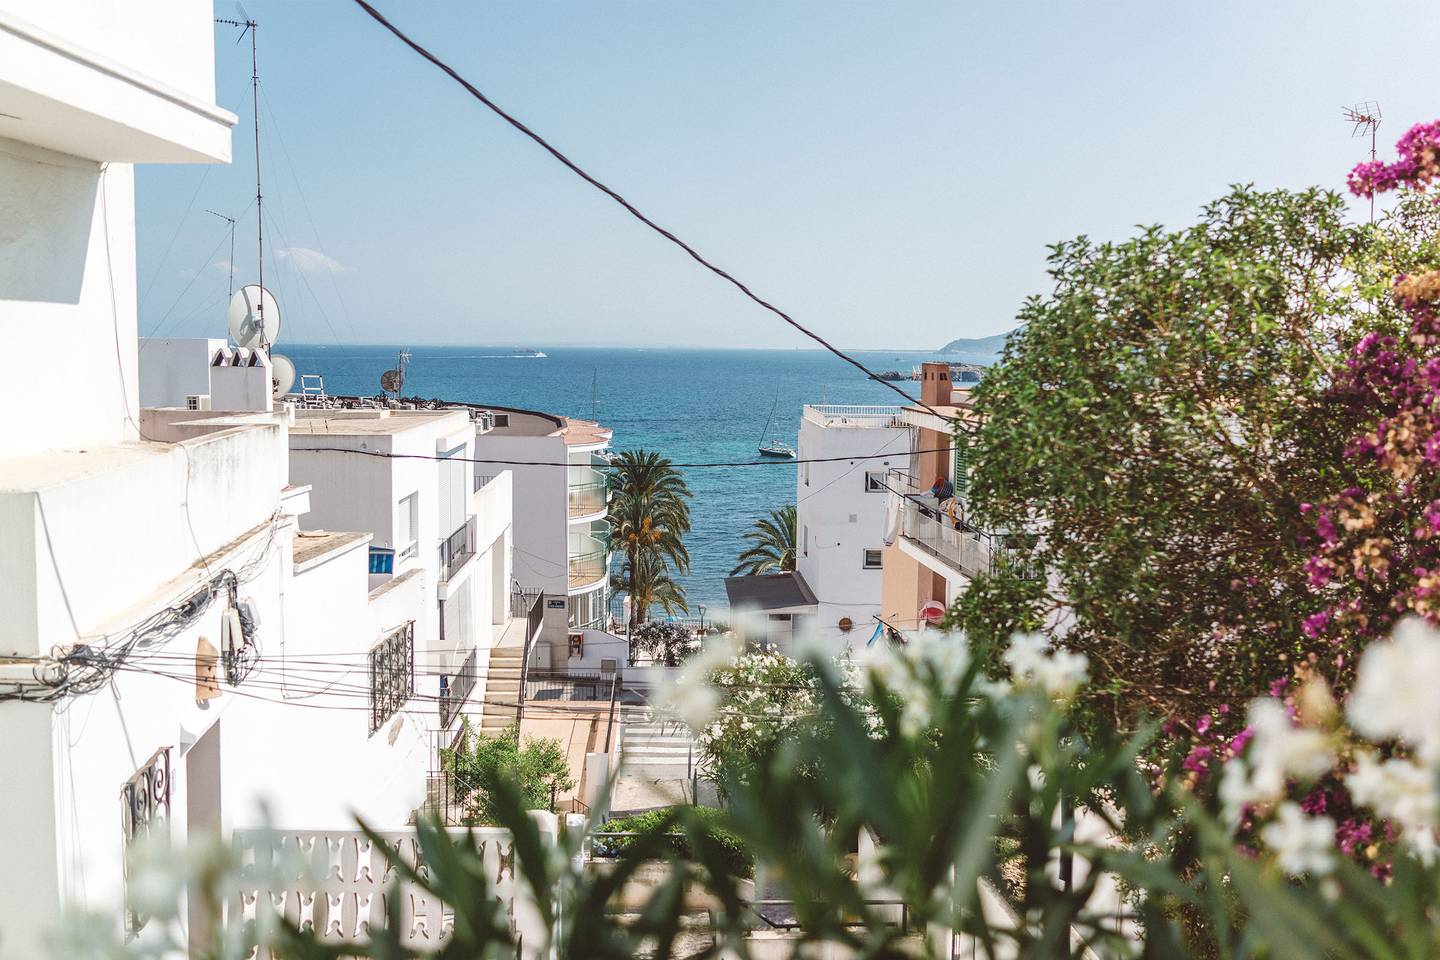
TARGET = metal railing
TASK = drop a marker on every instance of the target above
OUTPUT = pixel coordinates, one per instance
(587, 498)
(587, 561)
(457, 548)
(850, 415)
(948, 535)
(456, 688)
(535, 619)
(481, 479)
(392, 674)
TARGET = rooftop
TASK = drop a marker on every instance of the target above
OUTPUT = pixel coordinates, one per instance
(350, 423)
(585, 433)
(311, 545)
(837, 415)
(769, 591)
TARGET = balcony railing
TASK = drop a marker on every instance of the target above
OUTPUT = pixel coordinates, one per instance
(588, 560)
(947, 535)
(457, 548)
(587, 498)
(456, 688)
(841, 415)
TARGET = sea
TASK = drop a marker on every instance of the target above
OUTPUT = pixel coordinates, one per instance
(689, 405)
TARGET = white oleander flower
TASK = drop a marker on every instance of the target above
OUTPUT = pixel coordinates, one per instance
(1058, 672)
(1301, 844)
(1401, 791)
(1280, 750)
(1395, 686)
(1236, 791)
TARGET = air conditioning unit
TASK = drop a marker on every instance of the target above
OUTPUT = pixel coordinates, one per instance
(197, 401)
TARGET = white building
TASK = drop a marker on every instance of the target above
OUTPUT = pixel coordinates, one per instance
(840, 513)
(561, 532)
(172, 649)
(405, 477)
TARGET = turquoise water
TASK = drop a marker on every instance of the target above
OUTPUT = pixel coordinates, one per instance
(689, 405)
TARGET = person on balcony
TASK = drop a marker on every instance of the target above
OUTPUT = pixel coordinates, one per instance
(942, 489)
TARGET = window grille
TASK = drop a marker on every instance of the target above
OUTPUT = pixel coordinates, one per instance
(144, 810)
(392, 674)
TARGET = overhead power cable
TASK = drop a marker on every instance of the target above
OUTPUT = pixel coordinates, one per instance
(560, 463)
(631, 208)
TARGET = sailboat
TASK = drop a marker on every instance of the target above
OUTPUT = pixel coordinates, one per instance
(774, 448)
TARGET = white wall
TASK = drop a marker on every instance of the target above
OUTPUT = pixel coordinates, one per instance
(157, 38)
(539, 506)
(172, 368)
(66, 763)
(311, 755)
(57, 314)
(837, 520)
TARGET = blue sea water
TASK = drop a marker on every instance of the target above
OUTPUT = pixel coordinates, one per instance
(689, 405)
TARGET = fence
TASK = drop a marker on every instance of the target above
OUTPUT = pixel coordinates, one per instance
(342, 885)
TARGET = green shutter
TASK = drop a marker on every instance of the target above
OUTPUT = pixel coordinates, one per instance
(961, 473)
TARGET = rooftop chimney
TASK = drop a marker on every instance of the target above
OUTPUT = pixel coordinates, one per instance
(935, 384)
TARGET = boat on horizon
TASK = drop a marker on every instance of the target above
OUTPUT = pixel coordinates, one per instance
(528, 352)
(774, 448)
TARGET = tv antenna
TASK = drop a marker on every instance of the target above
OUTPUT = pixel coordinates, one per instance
(392, 381)
(247, 25)
(1365, 118)
(231, 221)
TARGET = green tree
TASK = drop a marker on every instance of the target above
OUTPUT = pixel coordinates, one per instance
(478, 763)
(772, 548)
(649, 516)
(1159, 420)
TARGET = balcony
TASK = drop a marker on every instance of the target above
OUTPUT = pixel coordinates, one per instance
(457, 548)
(946, 535)
(589, 561)
(587, 493)
(841, 415)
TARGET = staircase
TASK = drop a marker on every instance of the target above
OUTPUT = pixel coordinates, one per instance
(502, 690)
(655, 747)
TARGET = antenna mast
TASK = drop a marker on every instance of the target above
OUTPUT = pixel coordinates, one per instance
(248, 25)
(231, 221)
(1365, 117)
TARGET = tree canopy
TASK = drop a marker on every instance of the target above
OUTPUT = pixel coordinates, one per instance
(1160, 420)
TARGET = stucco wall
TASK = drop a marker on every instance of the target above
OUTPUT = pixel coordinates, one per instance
(56, 308)
(840, 520)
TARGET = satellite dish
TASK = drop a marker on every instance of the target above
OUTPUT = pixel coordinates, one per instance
(392, 380)
(247, 307)
(282, 374)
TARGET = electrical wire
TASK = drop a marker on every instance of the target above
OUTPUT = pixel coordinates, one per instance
(631, 208)
(560, 463)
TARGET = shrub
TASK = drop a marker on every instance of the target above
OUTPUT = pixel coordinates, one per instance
(738, 860)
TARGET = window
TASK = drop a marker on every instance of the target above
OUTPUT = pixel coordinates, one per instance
(872, 560)
(407, 526)
(382, 560)
(874, 481)
(392, 674)
(502, 419)
(144, 809)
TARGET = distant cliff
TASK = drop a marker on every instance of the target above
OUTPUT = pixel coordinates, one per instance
(979, 345)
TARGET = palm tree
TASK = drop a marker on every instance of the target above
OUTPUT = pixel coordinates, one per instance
(649, 516)
(649, 585)
(772, 547)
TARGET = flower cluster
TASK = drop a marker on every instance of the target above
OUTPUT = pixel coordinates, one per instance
(1377, 553)
(1417, 165)
(1388, 783)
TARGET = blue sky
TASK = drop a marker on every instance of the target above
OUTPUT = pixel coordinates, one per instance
(890, 173)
